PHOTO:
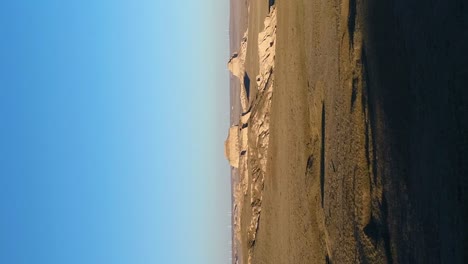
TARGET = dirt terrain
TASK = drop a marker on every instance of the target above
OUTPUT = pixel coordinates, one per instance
(366, 160)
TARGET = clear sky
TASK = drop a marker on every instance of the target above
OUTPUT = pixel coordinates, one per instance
(113, 115)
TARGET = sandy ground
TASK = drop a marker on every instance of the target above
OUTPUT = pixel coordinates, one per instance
(368, 137)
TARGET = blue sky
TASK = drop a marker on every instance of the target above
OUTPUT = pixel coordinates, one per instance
(113, 116)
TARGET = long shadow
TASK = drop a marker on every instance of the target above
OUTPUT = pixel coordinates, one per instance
(322, 157)
(247, 85)
(418, 73)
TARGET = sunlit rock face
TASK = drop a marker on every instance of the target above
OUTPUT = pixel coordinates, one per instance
(231, 147)
(237, 67)
(247, 144)
(259, 124)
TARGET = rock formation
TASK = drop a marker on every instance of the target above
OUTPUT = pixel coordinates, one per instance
(231, 147)
(237, 67)
(260, 125)
(252, 139)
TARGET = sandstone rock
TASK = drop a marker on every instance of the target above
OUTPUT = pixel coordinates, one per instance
(231, 147)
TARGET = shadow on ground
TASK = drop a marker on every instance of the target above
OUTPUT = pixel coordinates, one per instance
(418, 86)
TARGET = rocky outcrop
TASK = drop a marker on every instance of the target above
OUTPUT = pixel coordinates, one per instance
(231, 147)
(252, 136)
(237, 67)
(266, 50)
(260, 125)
